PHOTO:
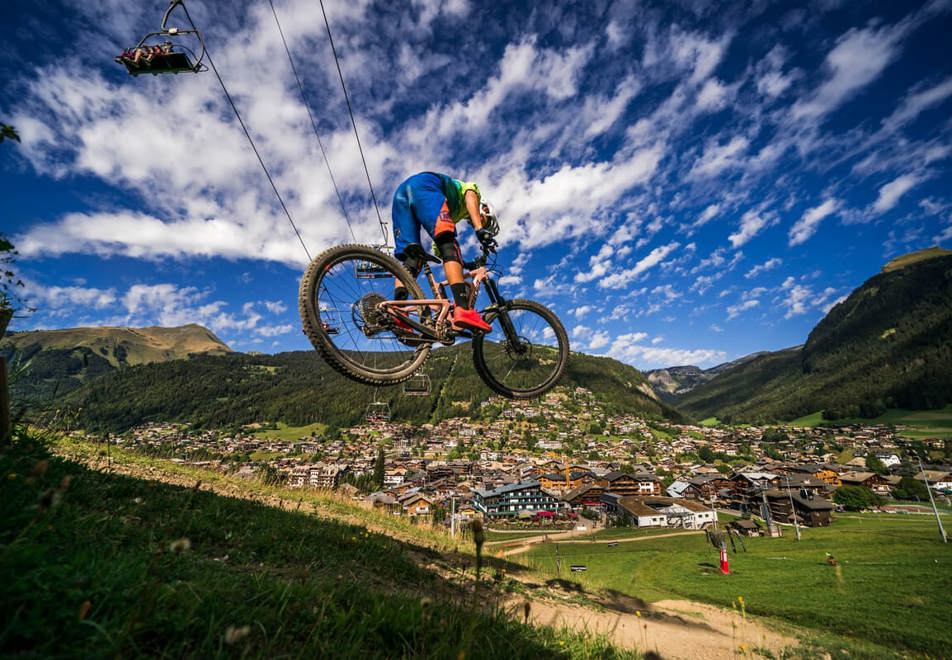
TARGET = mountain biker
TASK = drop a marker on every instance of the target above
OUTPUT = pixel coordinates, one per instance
(436, 202)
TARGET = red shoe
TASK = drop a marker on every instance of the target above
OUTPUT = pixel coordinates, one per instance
(469, 319)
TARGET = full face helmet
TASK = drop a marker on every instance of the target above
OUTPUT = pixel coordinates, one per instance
(490, 222)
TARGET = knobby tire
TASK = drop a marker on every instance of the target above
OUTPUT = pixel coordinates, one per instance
(314, 329)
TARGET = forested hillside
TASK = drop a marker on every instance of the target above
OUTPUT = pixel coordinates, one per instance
(299, 388)
(888, 345)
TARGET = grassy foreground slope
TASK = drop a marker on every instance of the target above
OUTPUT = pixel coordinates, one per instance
(893, 587)
(94, 564)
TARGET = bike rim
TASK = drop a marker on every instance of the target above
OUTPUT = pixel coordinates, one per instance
(346, 298)
(531, 362)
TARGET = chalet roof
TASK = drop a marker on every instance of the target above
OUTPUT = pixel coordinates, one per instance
(560, 476)
(582, 490)
(755, 476)
(812, 503)
(856, 477)
(933, 475)
(646, 506)
(502, 490)
(615, 475)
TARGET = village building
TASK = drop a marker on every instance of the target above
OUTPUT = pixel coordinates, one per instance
(810, 511)
(625, 484)
(510, 501)
(874, 482)
(657, 511)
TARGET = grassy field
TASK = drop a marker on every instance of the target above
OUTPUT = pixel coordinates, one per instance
(893, 587)
(96, 564)
(710, 421)
(291, 433)
(921, 423)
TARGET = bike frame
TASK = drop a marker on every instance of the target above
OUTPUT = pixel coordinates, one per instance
(440, 330)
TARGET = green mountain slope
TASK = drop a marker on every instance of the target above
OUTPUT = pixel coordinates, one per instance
(62, 360)
(888, 345)
(299, 388)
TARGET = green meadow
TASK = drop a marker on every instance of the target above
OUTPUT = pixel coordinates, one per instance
(892, 588)
(920, 424)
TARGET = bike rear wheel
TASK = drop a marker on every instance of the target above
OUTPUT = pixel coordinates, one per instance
(532, 363)
(338, 301)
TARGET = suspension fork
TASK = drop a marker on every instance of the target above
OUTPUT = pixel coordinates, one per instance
(502, 305)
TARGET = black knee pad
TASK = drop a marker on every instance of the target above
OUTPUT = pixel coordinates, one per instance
(448, 248)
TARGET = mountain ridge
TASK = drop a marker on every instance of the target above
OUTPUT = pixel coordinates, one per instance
(886, 345)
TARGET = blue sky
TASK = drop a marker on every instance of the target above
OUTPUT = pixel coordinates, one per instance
(684, 183)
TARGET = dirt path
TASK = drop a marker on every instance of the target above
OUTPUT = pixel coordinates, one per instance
(671, 628)
(509, 552)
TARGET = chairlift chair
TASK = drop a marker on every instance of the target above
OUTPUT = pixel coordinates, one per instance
(331, 321)
(368, 270)
(378, 411)
(157, 53)
(418, 385)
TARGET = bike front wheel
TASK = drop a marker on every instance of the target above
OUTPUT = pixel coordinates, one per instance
(525, 354)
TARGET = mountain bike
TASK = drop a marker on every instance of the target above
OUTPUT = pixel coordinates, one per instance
(350, 316)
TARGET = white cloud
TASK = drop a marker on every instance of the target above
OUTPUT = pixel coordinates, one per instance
(890, 193)
(621, 278)
(582, 310)
(807, 225)
(708, 214)
(275, 306)
(581, 331)
(599, 339)
(751, 224)
(274, 330)
(719, 157)
(770, 264)
(627, 348)
(734, 310)
(58, 297)
(858, 58)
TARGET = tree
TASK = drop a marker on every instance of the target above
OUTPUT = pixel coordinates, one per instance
(873, 463)
(7, 132)
(856, 498)
(911, 489)
(379, 468)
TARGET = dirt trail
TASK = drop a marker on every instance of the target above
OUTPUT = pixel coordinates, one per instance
(509, 552)
(671, 628)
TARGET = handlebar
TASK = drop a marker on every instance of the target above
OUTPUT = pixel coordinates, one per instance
(479, 261)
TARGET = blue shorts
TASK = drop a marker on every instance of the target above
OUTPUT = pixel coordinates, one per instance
(419, 202)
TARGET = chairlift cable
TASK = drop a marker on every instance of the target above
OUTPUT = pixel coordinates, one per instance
(353, 121)
(317, 134)
(250, 139)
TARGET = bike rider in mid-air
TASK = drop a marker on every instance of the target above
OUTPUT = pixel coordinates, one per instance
(436, 202)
